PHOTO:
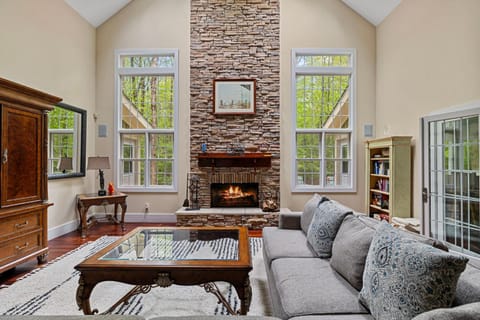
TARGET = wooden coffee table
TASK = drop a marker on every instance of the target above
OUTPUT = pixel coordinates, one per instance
(161, 256)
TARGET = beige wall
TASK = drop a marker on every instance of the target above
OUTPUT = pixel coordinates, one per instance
(325, 24)
(145, 24)
(48, 46)
(427, 59)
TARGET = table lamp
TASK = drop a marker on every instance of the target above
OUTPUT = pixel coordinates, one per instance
(99, 163)
(65, 164)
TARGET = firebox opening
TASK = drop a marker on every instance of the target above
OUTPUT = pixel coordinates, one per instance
(228, 195)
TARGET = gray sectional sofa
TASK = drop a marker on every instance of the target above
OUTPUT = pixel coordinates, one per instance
(304, 286)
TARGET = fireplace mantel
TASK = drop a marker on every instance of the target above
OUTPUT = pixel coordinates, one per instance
(244, 160)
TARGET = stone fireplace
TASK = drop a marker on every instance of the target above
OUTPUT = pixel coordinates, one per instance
(235, 40)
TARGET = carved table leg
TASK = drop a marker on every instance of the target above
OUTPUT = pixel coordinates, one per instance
(244, 293)
(124, 210)
(83, 296)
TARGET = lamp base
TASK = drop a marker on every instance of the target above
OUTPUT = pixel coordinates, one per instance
(102, 192)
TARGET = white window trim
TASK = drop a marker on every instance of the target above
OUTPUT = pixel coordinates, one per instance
(118, 121)
(352, 120)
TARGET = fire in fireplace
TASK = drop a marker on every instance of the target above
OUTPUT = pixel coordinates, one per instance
(228, 195)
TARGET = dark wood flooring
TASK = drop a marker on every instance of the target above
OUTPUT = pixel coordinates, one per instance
(72, 240)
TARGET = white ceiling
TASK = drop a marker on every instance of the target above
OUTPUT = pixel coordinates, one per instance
(373, 10)
(97, 12)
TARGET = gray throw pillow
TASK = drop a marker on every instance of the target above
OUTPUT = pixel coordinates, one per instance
(469, 311)
(350, 249)
(404, 278)
(324, 226)
(309, 210)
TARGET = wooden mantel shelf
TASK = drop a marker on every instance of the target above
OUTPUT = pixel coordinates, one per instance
(246, 160)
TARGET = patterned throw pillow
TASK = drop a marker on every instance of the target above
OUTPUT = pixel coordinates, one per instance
(404, 277)
(309, 210)
(324, 227)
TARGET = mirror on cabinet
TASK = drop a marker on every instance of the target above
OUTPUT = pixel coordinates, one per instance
(67, 129)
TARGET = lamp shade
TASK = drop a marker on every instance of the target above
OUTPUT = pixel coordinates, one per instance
(98, 163)
(65, 163)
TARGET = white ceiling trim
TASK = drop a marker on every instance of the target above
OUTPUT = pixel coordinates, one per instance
(97, 12)
(375, 11)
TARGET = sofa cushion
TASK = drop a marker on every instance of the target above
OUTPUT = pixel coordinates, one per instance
(335, 317)
(468, 286)
(466, 312)
(281, 243)
(324, 226)
(310, 286)
(350, 249)
(404, 278)
(309, 210)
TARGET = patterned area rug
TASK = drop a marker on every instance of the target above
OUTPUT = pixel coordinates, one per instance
(51, 290)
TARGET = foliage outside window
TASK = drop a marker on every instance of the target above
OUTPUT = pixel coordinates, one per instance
(323, 108)
(146, 108)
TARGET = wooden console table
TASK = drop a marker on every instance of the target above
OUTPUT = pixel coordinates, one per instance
(85, 201)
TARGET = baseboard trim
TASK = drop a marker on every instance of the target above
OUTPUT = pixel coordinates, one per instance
(137, 217)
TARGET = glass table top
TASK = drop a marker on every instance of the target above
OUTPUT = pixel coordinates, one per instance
(177, 244)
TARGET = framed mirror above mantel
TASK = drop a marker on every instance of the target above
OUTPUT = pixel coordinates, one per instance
(67, 132)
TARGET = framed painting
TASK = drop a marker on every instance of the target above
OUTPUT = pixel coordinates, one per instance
(234, 96)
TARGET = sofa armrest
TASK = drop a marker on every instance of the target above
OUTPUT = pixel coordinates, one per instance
(289, 220)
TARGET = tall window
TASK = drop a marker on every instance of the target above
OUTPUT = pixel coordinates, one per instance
(323, 96)
(452, 178)
(147, 119)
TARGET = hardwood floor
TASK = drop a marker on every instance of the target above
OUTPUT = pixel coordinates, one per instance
(72, 240)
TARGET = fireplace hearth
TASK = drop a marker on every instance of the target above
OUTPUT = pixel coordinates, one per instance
(234, 195)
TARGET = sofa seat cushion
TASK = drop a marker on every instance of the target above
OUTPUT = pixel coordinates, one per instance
(469, 311)
(309, 286)
(404, 278)
(335, 317)
(282, 243)
(468, 286)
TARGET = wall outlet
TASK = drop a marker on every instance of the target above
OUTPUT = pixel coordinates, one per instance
(147, 207)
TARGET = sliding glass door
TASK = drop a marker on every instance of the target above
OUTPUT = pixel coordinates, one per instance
(452, 178)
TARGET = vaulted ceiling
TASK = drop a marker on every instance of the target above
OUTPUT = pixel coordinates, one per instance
(97, 12)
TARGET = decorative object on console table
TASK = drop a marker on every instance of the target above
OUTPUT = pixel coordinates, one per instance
(23, 174)
(99, 163)
(234, 96)
(388, 181)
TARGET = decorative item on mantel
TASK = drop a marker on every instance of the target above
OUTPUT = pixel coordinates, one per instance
(236, 148)
(251, 148)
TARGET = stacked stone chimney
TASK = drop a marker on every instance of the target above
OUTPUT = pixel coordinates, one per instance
(235, 39)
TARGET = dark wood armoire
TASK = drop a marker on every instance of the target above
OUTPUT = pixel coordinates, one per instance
(23, 173)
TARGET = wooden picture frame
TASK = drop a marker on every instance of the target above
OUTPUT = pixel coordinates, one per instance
(234, 96)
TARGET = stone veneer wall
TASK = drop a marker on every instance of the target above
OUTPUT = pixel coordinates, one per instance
(235, 39)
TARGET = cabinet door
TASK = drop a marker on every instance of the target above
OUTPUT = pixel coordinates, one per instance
(21, 156)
